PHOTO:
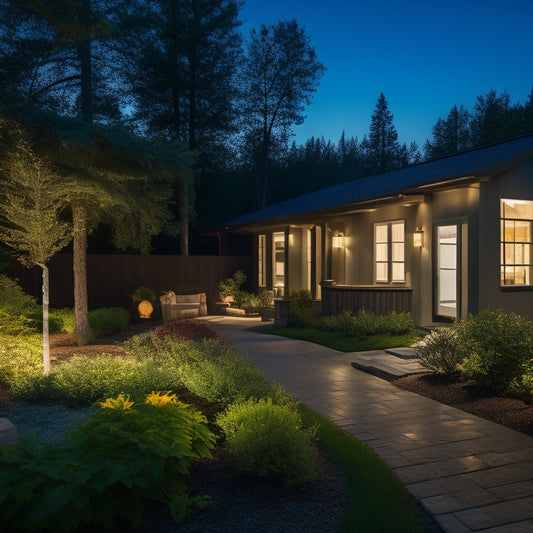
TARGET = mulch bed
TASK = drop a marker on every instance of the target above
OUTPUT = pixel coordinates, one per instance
(466, 395)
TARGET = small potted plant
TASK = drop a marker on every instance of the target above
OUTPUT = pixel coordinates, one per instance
(144, 297)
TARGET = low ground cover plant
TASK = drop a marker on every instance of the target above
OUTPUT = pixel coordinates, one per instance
(124, 455)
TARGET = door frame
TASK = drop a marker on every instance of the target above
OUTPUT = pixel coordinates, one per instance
(461, 225)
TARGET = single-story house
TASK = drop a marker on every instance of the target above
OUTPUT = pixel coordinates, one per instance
(440, 239)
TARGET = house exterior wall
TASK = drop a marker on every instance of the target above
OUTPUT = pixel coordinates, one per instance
(474, 209)
(516, 184)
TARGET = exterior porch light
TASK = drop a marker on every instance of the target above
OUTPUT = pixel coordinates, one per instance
(337, 241)
(418, 237)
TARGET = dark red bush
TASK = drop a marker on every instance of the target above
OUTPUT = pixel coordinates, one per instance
(187, 329)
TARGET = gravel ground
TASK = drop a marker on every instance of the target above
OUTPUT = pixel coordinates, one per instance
(47, 422)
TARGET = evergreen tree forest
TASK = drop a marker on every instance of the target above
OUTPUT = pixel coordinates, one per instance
(185, 73)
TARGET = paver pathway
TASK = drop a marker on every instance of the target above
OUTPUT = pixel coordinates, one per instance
(469, 473)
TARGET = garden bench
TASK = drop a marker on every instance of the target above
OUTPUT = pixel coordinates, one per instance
(178, 306)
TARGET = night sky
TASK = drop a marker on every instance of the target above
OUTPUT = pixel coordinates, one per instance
(425, 56)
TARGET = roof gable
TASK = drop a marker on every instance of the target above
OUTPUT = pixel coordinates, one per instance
(486, 161)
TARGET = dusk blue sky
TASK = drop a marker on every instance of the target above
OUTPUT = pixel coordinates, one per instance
(425, 56)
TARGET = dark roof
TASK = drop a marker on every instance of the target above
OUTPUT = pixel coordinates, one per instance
(478, 163)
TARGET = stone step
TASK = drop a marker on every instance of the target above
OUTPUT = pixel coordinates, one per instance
(402, 353)
(8, 432)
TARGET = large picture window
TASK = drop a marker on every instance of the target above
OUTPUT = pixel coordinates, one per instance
(389, 252)
(516, 242)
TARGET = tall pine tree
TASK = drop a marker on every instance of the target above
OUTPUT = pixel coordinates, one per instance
(383, 150)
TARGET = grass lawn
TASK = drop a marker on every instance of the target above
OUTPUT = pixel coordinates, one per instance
(340, 341)
(377, 501)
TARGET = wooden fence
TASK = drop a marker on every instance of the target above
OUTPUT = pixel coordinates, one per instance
(111, 279)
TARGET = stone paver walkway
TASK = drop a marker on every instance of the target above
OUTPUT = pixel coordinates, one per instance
(469, 473)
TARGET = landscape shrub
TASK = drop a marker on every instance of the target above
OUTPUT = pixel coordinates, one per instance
(232, 288)
(108, 320)
(19, 312)
(366, 323)
(269, 440)
(221, 373)
(125, 454)
(301, 313)
(498, 349)
(440, 351)
(83, 380)
(62, 320)
(341, 322)
(21, 362)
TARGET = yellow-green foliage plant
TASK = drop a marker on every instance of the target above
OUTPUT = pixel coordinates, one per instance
(125, 455)
(270, 441)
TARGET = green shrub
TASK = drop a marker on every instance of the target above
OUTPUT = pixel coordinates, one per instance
(232, 287)
(19, 312)
(366, 323)
(83, 380)
(497, 348)
(221, 373)
(343, 322)
(21, 362)
(143, 293)
(440, 351)
(216, 370)
(62, 320)
(124, 455)
(108, 320)
(301, 313)
(269, 440)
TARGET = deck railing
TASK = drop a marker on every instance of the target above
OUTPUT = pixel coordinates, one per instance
(381, 300)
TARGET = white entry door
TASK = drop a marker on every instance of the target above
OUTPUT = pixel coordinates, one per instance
(448, 271)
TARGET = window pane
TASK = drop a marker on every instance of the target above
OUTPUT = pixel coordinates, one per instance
(397, 232)
(382, 272)
(509, 254)
(448, 256)
(520, 209)
(382, 252)
(398, 272)
(522, 231)
(381, 233)
(398, 251)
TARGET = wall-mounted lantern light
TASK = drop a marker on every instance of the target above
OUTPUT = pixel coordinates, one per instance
(337, 241)
(418, 237)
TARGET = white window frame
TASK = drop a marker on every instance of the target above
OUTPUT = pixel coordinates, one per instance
(389, 252)
(278, 266)
(516, 243)
(261, 260)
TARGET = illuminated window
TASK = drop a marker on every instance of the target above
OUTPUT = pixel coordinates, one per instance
(261, 254)
(516, 242)
(389, 252)
(279, 263)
